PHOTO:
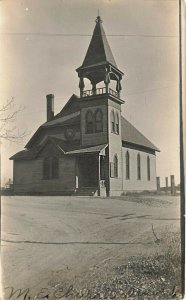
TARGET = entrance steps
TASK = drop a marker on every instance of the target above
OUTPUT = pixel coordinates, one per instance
(86, 191)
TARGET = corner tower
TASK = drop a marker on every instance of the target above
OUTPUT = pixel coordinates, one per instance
(101, 105)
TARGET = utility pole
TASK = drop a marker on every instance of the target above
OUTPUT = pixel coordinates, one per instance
(182, 181)
(0, 181)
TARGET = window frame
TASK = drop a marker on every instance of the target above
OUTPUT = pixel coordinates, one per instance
(117, 123)
(98, 121)
(138, 167)
(127, 165)
(46, 168)
(89, 125)
(148, 168)
(54, 167)
(112, 119)
(49, 162)
(115, 166)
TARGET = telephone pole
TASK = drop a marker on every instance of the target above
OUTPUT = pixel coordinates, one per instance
(182, 180)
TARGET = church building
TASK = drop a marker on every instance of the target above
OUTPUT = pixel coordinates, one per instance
(88, 148)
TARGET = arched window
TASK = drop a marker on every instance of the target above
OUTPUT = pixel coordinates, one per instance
(127, 157)
(115, 166)
(89, 122)
(138, 167)
(46, 168)
(112, 119)
(99, 120)
(55, 168)
(148, 167)
(117, 124)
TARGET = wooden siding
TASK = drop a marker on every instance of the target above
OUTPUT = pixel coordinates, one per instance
(58, 132)
(97, 138)
(115, 146)
(133, 184)
(28, 176)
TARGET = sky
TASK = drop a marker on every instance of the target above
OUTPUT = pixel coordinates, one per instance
(42, 42)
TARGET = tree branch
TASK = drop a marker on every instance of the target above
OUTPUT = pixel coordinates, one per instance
(8, 115)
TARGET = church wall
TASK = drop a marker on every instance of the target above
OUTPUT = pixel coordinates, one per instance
(98, 138)
(133, 184)
(115, 147)
(28, 176)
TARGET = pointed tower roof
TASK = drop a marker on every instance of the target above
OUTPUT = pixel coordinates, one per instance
(99, 50)
(99, 64)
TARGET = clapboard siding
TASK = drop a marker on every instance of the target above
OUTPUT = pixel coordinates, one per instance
(133, 184)
(115, 146)
(28, 176)
(93, 138)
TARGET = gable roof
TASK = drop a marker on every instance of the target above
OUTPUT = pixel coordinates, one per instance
(23, 155)
(70, 115)
(71, 106)
(64, 120)
(131, 135)
(92, 149)
(99, 50)
(63, 147)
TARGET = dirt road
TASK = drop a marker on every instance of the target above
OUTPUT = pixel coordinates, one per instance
(47, 240)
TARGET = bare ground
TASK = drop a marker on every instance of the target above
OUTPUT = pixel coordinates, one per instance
(84, 247)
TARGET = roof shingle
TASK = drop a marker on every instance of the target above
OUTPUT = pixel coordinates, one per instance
(131, 135)
(99, 50)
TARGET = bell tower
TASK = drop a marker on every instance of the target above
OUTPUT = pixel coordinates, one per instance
(99, 65)
(100, 106)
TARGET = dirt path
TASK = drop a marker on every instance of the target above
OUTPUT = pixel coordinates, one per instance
(47, 240)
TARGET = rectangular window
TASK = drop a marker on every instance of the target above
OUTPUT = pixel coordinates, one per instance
(89, 127)
(117, 128)
(127, 165)
(112, 170)
(46, 168)
(50, 168)
(138, 167)
(148, 168)
(113, 127)
(99, 126)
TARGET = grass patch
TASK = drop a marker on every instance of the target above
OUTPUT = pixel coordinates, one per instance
(152, 277)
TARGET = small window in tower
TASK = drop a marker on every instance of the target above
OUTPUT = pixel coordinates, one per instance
(89, 122)
(115, 166)
(138, 167)
(148, 167)
(99, 121)
(112, 118)
(127, 157)
(117, 123)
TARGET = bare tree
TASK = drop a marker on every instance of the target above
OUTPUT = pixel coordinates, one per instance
(8, 130)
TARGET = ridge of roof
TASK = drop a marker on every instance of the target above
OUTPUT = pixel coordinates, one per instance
(56, 117)
(71, 105)
(71, 115)
(62, 119)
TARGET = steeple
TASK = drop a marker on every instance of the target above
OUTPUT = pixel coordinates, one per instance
(99, 50)
(99, 63)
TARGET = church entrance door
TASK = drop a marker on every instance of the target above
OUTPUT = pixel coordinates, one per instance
(88, 171)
